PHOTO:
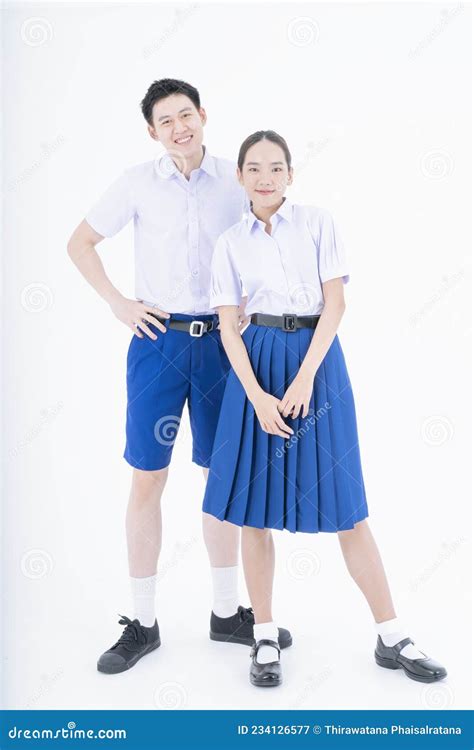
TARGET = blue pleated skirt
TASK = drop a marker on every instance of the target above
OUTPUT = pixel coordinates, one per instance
(311, 481)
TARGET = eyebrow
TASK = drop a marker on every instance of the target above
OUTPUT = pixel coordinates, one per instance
(165, 117)
(258, 162)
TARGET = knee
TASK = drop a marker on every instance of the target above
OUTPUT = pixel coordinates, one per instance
(257, 536)
(148, 485)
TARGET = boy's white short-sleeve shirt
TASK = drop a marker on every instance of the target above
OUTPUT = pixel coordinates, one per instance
(282, 272)
(176, 226)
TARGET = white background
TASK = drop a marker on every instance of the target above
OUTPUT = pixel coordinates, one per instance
(374, 102)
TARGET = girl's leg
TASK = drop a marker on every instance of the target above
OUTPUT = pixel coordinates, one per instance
(365, 565)
(258, 557)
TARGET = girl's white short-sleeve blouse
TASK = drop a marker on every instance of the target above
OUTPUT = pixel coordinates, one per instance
(282, 272)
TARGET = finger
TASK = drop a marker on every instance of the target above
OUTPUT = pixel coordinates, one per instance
(296, 410)
(156, 311)
(276, 431)
(155, 322)
(136, 331)
(283, 426)
(305, 410)
(146, 330)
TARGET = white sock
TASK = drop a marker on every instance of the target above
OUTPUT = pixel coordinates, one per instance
(392, 632)
(269, 630)
(225, 584)
(143, 595)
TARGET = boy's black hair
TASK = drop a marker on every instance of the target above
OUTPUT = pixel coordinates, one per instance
(166, 87)
(263, 135)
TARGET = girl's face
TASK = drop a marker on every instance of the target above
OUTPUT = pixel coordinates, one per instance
(265, 174)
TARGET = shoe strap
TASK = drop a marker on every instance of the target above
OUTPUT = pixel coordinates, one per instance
(264, 642)
(401, 644)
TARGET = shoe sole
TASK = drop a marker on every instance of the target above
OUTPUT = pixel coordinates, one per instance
(265, 683)
(244, 641)
(391, 664)
(129, 664)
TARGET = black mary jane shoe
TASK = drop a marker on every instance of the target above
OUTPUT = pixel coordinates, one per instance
(265, 675)
(422, 670)
(238, 628)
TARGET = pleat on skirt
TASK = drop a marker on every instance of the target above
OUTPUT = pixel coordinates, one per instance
(311, 481)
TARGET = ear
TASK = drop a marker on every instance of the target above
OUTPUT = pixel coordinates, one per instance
(203, 115)
(152, 132)
(290, 176)
(239, 176)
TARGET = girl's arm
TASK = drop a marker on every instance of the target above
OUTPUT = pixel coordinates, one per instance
(265, 404)
(299, 392)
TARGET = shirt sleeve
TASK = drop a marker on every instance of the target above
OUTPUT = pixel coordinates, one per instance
(114, 209)
(332, 261)
(226, 284)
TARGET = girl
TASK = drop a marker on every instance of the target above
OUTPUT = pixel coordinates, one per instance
(286, 453)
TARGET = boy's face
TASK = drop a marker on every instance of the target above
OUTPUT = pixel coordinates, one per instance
(265, 174)
(178, 125)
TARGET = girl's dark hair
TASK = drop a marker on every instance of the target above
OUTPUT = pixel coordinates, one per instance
(163, 88)
(263, 135)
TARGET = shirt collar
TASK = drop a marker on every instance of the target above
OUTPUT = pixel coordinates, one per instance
(285, 212)
(166, 168)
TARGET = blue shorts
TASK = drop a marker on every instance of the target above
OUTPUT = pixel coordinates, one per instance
(161, 375)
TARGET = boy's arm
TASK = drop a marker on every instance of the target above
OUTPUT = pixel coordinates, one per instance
(81, 250)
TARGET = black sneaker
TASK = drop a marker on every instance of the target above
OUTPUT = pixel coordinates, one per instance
(239, 629)
(135, 641)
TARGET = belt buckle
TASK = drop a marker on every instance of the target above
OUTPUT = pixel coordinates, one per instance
(196, 323)
(289, 323)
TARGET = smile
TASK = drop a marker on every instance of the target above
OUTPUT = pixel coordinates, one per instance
(186, 139)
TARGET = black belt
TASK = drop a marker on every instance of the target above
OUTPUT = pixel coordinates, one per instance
(193, 327)
(288, 322)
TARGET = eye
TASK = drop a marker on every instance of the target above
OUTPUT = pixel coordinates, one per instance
(252, 169)
(277, 169)
(165, 122)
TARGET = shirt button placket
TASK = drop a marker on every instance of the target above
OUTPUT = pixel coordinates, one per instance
(193, 235)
